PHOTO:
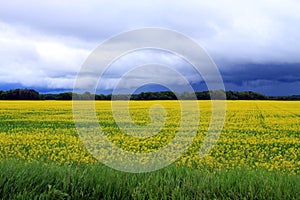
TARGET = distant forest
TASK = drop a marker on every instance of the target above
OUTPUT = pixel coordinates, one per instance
(29, 94)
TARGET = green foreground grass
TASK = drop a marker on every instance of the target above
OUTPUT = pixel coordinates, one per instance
(38, 180)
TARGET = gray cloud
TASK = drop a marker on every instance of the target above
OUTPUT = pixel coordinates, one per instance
(280, 72)
(152, 59)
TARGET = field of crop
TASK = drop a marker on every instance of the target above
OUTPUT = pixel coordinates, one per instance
(257, 135)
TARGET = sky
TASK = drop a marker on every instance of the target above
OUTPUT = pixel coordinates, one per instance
(254, 43)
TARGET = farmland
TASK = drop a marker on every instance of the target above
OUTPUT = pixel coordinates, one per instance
(257, 135)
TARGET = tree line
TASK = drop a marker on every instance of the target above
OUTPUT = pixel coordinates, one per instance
(30, 94)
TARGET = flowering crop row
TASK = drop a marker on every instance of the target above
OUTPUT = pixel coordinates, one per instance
(256, 134)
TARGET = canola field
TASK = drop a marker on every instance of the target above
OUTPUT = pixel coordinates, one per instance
(256, 134)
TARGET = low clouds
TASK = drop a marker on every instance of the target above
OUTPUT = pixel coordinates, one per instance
(255, 44)
(267, 78)
(280, 72)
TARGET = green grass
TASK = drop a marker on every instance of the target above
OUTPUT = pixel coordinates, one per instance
(38, 180)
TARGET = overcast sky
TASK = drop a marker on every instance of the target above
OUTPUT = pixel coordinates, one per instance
(255, 43)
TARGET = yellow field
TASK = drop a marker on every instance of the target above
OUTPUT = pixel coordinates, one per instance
(256, 133)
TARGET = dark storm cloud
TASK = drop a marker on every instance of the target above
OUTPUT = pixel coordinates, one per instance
(269, 79)
(284, 72)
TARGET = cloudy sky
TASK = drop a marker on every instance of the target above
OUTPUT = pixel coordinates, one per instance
(255, 44)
